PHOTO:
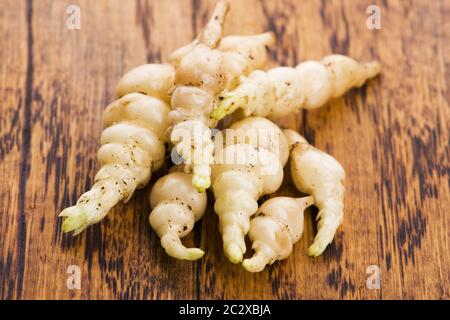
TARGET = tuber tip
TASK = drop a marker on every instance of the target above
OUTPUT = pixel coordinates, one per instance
(257, 263)
(251, 266)
(74, 221)
(316, 249)
(171, 242)
(226, 106)
(201, 183)
(194, 254)
(234, 253)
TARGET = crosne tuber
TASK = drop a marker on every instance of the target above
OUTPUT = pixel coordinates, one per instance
(238, 54)
(274, 229)
(203, 69)
(284, 90)
(132, 147)
(261, 132)
(240, 176)
(176, 205)
(155, 80)
(316, 173)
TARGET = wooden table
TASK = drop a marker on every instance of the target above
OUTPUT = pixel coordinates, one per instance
(391, 136)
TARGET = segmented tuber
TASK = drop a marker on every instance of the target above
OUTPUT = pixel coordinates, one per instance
(284, 90)
(274, 229)
(242, 173)
(203, 69)
(155, 80)
(238, 57)
(316, 173)
(176, 205)
(132, 147)
(260, 132)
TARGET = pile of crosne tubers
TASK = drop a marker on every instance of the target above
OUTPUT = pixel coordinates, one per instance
(176, 105)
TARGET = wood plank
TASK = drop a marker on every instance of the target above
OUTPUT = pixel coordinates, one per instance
(391, 136)
(75, 73)
(15, 75)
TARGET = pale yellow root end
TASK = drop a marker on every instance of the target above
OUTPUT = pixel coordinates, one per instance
(327, 227)
(75, 220)
(317, 248)
(257, 263)
(234, 253)
(174, 248)
(228, 104)
(193, 254)
(201, 183)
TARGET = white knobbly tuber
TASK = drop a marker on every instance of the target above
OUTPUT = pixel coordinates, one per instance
(154, 80)
(152, 86)
(284, 90)
(274, 229)
(176, 205)
(261, 132)
(132, 147)
(316, 173)
(243, 174)
(243, 54)
(203, 69)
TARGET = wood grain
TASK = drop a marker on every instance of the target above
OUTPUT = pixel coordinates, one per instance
(391, 136)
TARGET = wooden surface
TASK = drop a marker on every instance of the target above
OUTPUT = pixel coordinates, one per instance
(392, 137)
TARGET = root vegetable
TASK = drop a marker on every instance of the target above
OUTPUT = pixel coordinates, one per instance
(261, 132)
(238, 54)
(283, 90)
(243, 174)
(243, 54)
(176, 207)
(316, 173)
(155, 80)
(128, 121)
(132, 147)
(274, 229)
(203, 69)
